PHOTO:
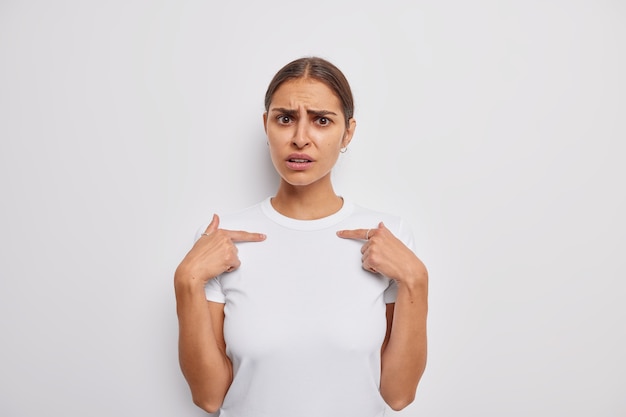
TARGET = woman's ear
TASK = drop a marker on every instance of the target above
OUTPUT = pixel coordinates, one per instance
(265, 122)
(349, 133)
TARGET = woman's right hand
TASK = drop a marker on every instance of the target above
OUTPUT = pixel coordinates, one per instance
(213, 254)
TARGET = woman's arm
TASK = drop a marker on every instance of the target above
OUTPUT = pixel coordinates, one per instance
(201, 345)
(403, 354)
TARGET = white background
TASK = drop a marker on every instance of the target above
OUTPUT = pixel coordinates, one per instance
(496, 129)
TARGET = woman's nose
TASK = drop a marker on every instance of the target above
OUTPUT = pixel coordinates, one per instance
(301, 136)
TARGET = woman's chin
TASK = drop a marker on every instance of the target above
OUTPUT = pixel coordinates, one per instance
(301, 179)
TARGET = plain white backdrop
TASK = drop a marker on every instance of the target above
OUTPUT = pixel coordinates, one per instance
(496, 129)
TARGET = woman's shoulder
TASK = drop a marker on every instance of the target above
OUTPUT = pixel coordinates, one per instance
(244, 213)
(370, 213)
(365, 217)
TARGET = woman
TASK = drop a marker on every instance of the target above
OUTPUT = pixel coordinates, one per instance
(316, 306)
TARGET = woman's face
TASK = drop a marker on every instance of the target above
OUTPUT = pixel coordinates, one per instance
(306, 129)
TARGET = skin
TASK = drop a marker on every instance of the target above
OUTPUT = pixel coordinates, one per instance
(201, 346)
(305, 117)
(403, 355)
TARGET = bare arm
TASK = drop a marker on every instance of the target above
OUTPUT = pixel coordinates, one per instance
(201, 345)
(202, 350)
(403, 354)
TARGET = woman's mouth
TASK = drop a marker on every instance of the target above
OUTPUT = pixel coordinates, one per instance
(299, 162)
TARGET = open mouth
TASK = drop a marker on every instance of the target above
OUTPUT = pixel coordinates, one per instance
(299, 162)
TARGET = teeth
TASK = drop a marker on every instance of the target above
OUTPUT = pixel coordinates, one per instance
(299, 160)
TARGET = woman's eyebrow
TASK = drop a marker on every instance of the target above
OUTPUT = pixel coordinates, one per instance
(291, 112)
(321, 113)
(288, 112)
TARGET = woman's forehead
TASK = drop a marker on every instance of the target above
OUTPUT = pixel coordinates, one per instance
(305, 91)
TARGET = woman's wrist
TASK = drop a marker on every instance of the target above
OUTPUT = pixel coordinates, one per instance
(185, 280)
(415, 276)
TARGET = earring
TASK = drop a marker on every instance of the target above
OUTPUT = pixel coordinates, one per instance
(343, 150)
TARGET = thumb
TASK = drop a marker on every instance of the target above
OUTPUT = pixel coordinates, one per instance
(215, 223)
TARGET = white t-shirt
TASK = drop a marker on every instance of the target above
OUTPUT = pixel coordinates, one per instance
(304, 322)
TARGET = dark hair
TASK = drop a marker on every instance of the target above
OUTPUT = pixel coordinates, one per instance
(318, 69)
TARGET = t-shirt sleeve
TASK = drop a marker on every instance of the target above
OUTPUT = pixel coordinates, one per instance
(405, 234)
(391, 293)
(213, 290)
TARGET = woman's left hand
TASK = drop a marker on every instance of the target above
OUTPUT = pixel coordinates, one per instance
(385, 254)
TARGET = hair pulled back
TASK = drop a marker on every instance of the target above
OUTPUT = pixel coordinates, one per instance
(318, 69)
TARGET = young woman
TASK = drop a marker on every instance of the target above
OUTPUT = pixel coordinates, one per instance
(316, 306)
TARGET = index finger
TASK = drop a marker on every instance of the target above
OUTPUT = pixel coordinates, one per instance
(360, 234)
(243, 236)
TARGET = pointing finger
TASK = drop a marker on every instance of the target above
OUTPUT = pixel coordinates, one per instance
(234, 235)
(243, 236)
(360, 234)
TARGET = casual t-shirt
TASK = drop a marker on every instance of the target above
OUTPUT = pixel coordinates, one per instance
(304, 322)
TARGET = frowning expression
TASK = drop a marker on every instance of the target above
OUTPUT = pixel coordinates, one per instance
(306, 129)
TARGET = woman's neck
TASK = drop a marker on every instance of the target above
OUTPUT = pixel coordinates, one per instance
(306, 203)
